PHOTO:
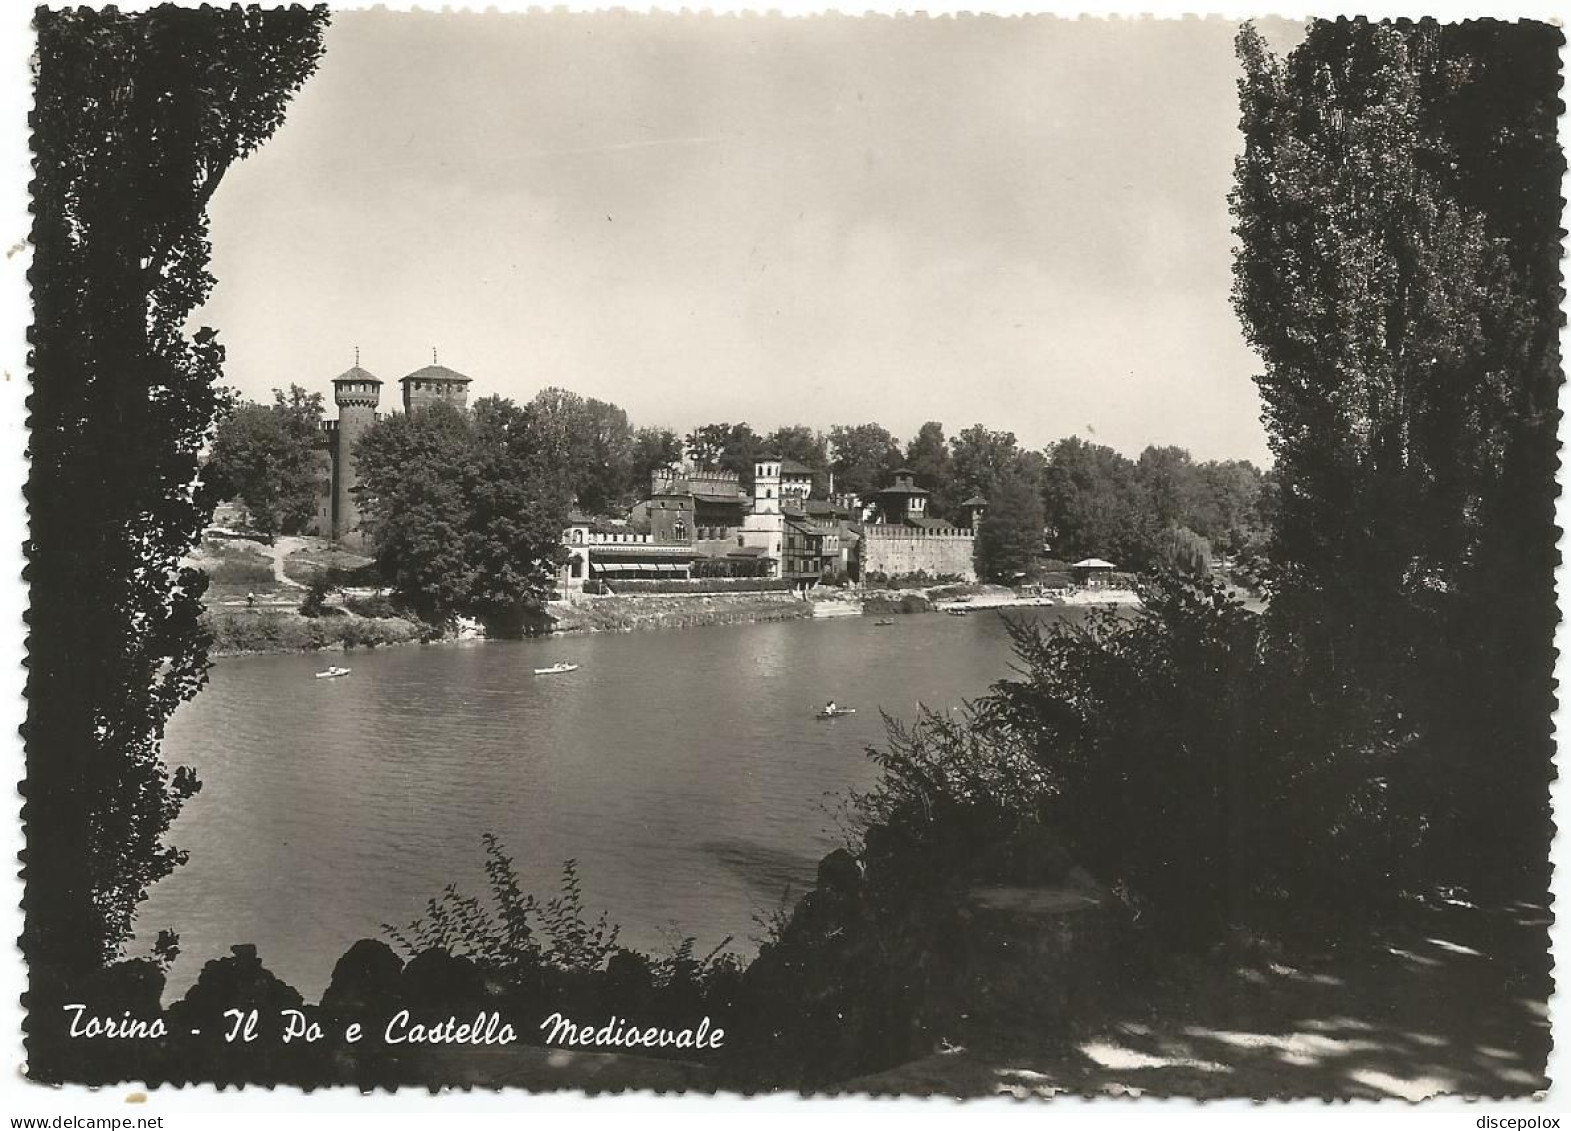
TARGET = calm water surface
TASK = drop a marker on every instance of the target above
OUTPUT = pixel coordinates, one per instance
(683, 770)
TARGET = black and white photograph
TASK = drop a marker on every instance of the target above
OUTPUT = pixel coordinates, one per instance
(759, 554)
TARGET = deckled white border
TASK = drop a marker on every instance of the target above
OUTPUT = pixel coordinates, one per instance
(263, 1108)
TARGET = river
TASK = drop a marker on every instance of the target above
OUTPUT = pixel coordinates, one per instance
(683, 770)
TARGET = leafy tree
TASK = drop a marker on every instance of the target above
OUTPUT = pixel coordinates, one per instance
(515, 512)
(271, 458)
(706, 445)
(1168, 479)
(1397, 213)
(978, 457)
(1230, 507)
(798, 442)
(465, 512)
(415, 472)
(1183, 550)
(928, 455)
(588, 443)
(1093, 505)
(137, 118)
(612, 444)
(863, 457)
(809, 448)
(1009, 540)
(1192, 769)
(653, 449)
(726, 447)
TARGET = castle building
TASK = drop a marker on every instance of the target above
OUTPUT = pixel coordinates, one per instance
(435, 384)
(905, 540)
(598, 550)
(358, 393)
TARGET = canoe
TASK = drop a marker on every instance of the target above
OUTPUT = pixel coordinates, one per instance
(332, 673)
(556, 669)
(837, 713)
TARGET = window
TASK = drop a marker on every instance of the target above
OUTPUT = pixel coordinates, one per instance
(679, 530)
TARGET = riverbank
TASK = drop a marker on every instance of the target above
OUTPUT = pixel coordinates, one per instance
(274, 630)
(631, 613)
(998, 597)
(275, 626)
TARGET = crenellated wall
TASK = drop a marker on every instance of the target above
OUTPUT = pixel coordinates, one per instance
(900, 550)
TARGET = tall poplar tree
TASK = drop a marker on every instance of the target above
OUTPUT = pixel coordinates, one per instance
(137, 118)
(1397, 207)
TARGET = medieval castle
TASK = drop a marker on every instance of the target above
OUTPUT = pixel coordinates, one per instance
(357, 393)
(693, 522)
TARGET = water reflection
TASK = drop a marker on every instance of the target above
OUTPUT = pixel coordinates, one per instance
(684, 770)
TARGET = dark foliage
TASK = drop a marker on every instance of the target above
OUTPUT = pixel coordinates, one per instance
(137, 118)
(1397, 207)
(465, 512)
(726, 447)
(1099, 503)
(1009, 539)
(271, 458)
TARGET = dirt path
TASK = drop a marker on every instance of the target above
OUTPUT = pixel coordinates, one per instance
(281, 548)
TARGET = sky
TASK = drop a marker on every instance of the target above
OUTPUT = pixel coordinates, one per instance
(832, 220)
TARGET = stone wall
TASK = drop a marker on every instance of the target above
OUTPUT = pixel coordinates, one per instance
(900, 550)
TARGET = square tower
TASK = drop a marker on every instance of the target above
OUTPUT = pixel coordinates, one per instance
(435, 384)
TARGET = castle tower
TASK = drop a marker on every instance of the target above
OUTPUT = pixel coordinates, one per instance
(766, 485)
(356, 393)
(764, 528)
(435, 383)
(976, 510)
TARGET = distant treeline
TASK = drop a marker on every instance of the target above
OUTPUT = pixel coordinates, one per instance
(1091, 499)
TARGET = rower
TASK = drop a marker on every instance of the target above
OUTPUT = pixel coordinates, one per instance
(831, 709)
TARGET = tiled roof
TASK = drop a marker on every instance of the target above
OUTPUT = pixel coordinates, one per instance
(931, 523)
(355, 373)
(975, 501)
(436, 373)
(791, 467)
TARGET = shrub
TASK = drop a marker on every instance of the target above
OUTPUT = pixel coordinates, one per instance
(921, 579)
(246, 570)
(1197, 766)
(905, 603)
(238, 632)
(377, 605)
